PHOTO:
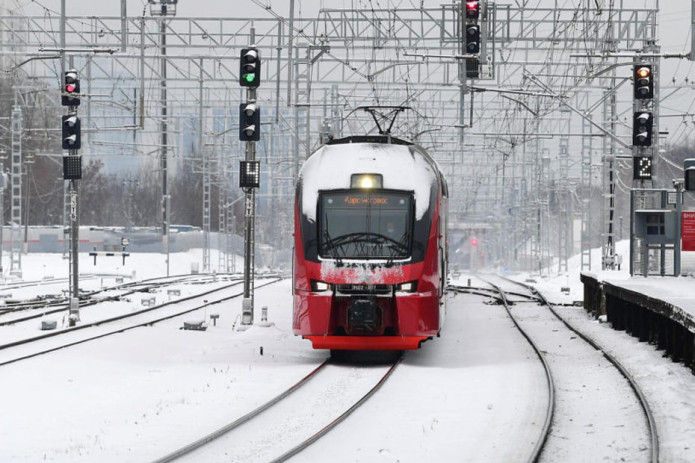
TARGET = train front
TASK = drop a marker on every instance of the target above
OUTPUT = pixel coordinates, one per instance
(369, 252)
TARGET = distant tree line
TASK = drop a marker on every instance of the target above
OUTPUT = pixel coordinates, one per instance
(105, 199)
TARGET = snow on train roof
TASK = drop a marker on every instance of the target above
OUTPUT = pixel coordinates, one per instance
(403, 167)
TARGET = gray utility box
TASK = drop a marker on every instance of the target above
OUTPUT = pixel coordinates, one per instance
(656, 226)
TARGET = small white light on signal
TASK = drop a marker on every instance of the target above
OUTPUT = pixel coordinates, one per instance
(250, 109)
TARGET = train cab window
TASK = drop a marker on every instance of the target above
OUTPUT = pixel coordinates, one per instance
(362, 225)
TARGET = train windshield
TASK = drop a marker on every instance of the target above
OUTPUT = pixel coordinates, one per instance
(365, 225)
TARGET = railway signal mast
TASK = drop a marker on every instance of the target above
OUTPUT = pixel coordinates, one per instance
(472, 17)
(642, 121)
(249, 168)
(72, 171)
(644, 144)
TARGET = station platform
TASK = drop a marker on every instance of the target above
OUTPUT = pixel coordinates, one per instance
(658, 310)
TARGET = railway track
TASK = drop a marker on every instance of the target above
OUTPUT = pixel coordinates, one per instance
(550, 397)
(32, 346)
(579, 400)
(47, 304)
(294, 419)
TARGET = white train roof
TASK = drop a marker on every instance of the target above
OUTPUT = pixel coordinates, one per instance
(402, 166)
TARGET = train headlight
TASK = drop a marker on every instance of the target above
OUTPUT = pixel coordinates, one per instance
(366, 181)
(319, 286)
(408, 287)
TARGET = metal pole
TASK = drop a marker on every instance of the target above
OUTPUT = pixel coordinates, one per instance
(142, 72)
(249, 238)
(250, 224)
(632, 232)
(677, 246)
(124, 26)
(62, 37)
(290, 55)
(16, 190)
(165, 205)
(2, 218)
(28, 161)
(74, 236)
(691, 56)
(206, 176)
(74, 311)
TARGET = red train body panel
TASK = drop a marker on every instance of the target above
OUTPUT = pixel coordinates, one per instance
(369, 258)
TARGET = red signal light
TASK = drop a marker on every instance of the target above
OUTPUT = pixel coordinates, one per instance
(472, 10)
(474, 241)
(71, 89)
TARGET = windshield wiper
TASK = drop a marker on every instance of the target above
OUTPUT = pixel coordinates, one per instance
(368, 244)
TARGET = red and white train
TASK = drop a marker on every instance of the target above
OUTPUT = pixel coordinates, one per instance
(370, 246)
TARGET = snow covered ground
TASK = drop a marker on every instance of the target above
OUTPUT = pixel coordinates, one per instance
(138, 395)
(669, 387)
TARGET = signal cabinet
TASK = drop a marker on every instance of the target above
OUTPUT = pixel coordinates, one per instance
(656, 226)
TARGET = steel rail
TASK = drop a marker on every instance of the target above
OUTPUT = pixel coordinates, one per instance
(190, 448)
(651, 422)
(62, 305)
(203, 441)
(550, 409)
(290, 453)
(120, 329)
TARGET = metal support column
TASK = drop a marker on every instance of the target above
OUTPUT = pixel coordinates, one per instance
(16, 192)
(609, 151)
(586, 172)
(249, 234)
(207, 184)
(250, 206)
(164, 128)
(302, 113)
(564, 198)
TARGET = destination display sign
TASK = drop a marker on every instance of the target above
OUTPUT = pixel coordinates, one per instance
(350, 199)
(361, 200)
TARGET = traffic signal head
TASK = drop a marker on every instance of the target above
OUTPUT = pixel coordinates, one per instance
(642, 125)
(643, 82)
(71, 89)
(472, 9)
(249, 122)
(689, 173)
(250, 68)
(690, 178)
(472, 38)
(71, 132)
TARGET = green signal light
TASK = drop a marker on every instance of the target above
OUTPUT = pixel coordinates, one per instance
(249, 77)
